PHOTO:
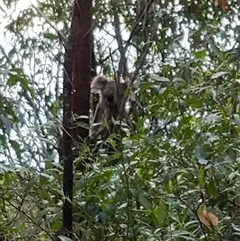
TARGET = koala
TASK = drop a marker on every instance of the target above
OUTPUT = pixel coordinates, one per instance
(111, 105)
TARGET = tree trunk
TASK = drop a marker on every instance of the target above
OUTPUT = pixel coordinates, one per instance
(82, 68)
(76, 92)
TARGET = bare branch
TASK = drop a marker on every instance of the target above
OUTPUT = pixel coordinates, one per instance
(122, 67)
(6, 56)
(60, 34)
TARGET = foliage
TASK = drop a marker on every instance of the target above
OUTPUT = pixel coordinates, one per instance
(186, 147)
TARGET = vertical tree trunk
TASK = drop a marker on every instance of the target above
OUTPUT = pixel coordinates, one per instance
(67, 137)
(82, 66)
(76, 92)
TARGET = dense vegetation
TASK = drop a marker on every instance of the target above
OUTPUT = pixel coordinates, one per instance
(184, 156)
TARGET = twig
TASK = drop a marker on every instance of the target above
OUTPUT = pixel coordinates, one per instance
(195, 212)
(60, 34)
(6, 56)
(31, 219)
(122, 68)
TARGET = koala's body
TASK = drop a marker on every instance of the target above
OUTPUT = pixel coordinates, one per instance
(111, 105)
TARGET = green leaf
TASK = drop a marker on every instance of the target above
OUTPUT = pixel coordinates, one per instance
(64, 238)
(233, 175)
(181, 234)
(31, 183)
(215, 48)
(12, 81)
(218, 74)
(17, 76)
(211, 188)
(212, 118)
(51, 36)
(15, 145)
(123, 206)
(161, 79)
(200, 155)
(236, 228)
(45, 178)
(200, 54)
(160, 213)
(194, 102)
(145, 202)
(237, 119)
(7, 123)
(170, 186)
(201, 177)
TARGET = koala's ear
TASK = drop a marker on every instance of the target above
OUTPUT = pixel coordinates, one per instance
(98, 83)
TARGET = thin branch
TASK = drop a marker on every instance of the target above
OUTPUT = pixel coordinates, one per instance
(195, 212)
(31, 219)
(18, 211)
(143, 11)
(6, 56)
(142, 58)
(60, 34)
(122, 68)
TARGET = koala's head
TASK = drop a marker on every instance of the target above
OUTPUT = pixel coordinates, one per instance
(109, 91)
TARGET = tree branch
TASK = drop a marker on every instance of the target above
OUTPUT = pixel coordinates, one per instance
(60, 34)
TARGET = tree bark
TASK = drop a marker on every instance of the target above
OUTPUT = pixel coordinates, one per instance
(76, 92)
(67, 137)
(82, 68)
